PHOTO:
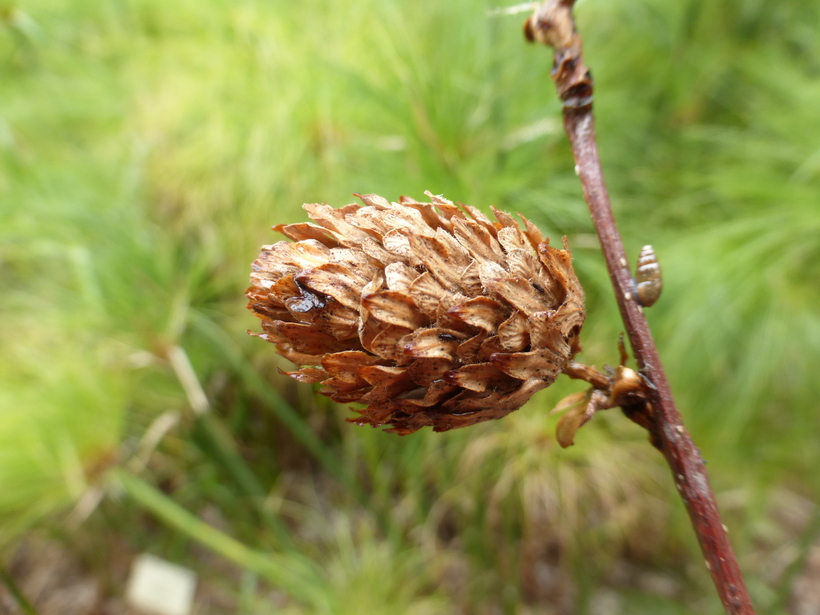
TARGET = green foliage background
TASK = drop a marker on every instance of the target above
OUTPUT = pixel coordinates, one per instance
(146, 147)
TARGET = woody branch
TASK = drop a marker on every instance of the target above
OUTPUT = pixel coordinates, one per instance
(552, 24)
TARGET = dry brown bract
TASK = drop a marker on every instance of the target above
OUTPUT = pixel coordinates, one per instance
(426, 313)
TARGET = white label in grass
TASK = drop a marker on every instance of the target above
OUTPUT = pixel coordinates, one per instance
(157, 587)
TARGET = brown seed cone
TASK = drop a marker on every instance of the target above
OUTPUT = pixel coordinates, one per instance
(426, 313)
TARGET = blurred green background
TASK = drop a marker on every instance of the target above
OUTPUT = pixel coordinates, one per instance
(146, 148)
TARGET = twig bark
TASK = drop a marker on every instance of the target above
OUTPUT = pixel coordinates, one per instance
(552, 24)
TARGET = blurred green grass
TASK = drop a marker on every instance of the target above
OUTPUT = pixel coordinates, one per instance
(146, 148)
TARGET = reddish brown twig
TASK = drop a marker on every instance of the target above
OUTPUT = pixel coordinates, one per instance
(553, 24)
